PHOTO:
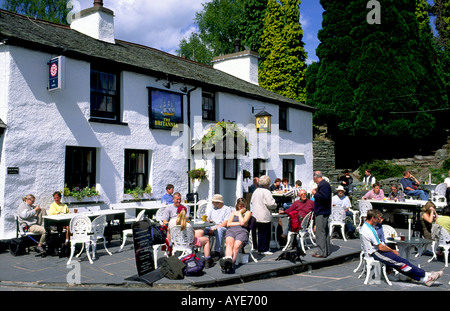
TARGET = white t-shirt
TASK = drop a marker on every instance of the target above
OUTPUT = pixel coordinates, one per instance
(343, 202)
(369, 239)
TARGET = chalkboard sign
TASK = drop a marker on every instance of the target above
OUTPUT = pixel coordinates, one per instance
(142, 247)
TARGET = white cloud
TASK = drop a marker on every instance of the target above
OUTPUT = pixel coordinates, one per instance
(158, 24)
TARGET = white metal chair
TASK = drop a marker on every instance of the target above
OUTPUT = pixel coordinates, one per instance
(337, 218)
(129, 232)
(442, 240)
(98, 230)
(80, 228)
(159, 214)
(438, 195)
(201, 208)
(181, 240)
(364, 206)
(306, 231)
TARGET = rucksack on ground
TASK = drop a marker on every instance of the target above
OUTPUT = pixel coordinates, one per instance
(17, 247)
(194, 265)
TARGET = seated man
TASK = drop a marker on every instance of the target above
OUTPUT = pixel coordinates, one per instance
(340, 200)
(168, 196)
(373, 247)
(32, 216)
(346, 181)
(411, 186)
(303, 206)
(368, 179)
(171, 209)
(219, 215)
(375, 194)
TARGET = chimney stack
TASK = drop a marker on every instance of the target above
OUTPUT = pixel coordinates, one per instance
(96, 22)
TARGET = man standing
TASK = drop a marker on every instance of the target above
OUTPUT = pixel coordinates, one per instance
(255, 185)
(218, 215)
(368, 179)
(373, 247)
(411, 186)
(322, 211)
(168, 196)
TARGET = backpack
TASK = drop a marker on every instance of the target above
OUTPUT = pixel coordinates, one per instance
(194, 265)
(17, 247)
(157, 233)
(295, 221)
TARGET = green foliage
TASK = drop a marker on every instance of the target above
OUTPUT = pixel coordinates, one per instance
(218, 24)
(251, 23)
(194, 49)
(199, 174)
(382, 169)
(51, 10)
(374, 79)
(282, 52)
(80, 193)
(439, 174)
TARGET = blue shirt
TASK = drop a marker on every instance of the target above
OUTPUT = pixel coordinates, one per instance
(167, 198)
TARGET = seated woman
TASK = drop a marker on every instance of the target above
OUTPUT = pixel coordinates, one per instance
(236, 236)
(428, 217)
(203, 241)
(57, 208)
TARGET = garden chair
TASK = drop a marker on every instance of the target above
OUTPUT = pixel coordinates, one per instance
(80, 228)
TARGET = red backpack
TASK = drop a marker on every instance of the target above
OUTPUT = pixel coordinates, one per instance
(295, 221)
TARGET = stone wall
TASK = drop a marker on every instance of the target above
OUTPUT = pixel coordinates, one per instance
(324, 158)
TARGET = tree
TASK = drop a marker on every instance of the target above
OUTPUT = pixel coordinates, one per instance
(282, 50)
(218, 25)
(441, 10)
(51, 10)
(252, 22)
(194, 49)
(373, 77)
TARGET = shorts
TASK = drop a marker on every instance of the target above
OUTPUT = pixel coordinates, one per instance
(238, 235)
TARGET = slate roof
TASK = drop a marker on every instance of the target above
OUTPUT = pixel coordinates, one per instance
(59, 39)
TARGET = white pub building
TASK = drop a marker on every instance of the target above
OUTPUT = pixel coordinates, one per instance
(80, 108)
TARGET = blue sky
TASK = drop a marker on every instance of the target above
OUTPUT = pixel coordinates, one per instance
(162, 24)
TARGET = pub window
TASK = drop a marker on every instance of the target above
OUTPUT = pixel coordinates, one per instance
(283, 119)
(136, 169)
(259, 167)
(80, 167)
(289, 170)
(208, 106)
(105, 102)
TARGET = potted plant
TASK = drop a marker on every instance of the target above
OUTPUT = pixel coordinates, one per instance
(221, 129)
(79, 193)
(197, 174)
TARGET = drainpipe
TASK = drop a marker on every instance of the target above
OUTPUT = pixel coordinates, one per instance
(188, 95)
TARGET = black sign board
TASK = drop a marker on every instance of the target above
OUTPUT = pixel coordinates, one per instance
(13, 170)
(142, 247)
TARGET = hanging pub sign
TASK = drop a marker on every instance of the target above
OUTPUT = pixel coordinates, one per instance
(165, 109)
(263, 122)
(55, 71)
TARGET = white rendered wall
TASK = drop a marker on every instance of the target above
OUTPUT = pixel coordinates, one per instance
(41, 124)
(244, 67)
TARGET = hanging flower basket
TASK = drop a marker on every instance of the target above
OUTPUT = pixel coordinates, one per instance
(222, 129)
(199, 174)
